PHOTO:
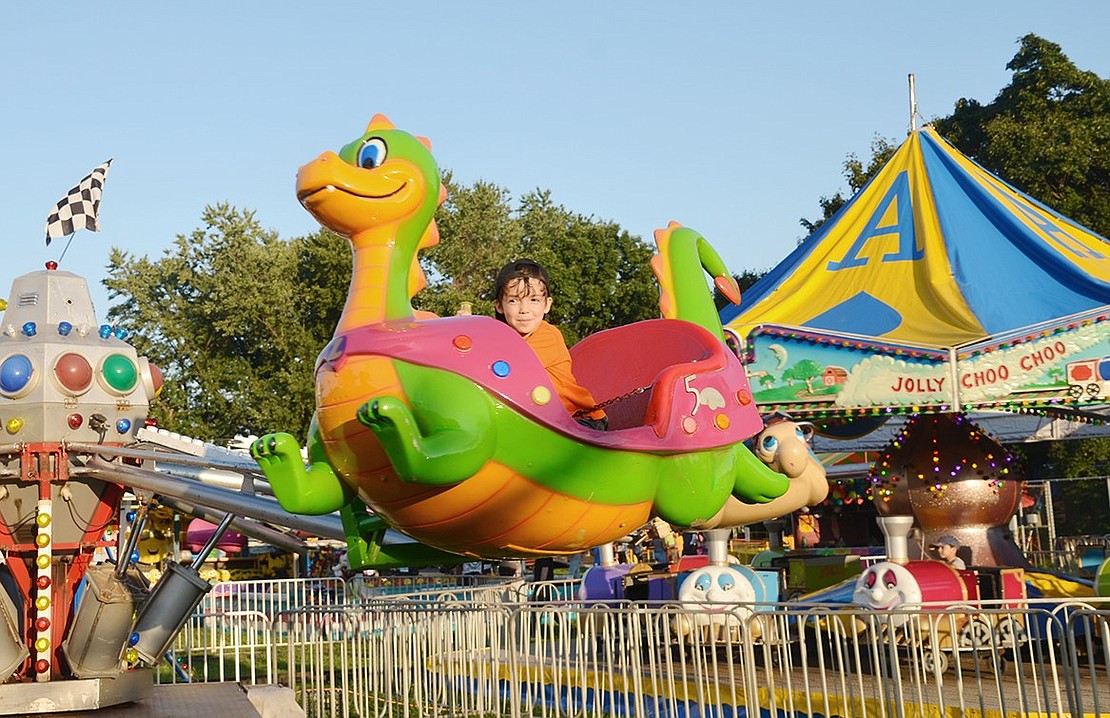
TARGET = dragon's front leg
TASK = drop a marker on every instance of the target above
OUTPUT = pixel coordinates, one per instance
(445, 438)
(314, 490)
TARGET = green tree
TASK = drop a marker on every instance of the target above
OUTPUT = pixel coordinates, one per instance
(479, 233)
(601, 275)
(1081, 506)
(234, 317)
(806, 370)
(1047, 133)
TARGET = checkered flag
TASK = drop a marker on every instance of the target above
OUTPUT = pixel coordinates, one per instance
(79, 207)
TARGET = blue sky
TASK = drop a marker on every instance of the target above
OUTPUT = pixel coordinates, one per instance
(730, 117)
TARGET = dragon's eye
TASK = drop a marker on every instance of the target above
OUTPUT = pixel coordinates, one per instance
(372, 153)
(768, 443)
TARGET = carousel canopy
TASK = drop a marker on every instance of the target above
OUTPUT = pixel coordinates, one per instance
(934, 251)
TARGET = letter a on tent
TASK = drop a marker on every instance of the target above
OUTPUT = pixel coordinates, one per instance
(936, 252)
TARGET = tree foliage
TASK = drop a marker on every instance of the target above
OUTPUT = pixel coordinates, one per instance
(1047, 133)
(1080, 506)
(479, 233)
(601, 275)
(234, 317)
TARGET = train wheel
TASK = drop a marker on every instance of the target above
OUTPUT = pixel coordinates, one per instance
(934, 661)
(1075, 391)
(1093, 389)
(1010, 633)
(976, 634)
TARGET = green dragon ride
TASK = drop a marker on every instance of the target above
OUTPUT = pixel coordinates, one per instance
(449, 429)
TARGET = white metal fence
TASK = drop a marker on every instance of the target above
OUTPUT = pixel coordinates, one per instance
(490, 651)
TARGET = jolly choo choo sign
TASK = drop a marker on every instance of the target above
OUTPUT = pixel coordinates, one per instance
(1070, 360)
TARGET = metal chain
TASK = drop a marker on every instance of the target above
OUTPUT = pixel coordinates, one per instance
(614, 400)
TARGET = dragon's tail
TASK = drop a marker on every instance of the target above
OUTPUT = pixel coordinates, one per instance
(683, 294)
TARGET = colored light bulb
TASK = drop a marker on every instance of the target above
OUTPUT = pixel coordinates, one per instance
(15, 373)
(73, 372)
(120, 372)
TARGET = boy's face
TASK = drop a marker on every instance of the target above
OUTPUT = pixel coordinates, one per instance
(524, 304)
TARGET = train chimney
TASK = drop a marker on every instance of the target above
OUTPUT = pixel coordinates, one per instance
(896, 529)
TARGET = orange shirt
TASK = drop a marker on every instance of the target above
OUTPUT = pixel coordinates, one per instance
(551, 348)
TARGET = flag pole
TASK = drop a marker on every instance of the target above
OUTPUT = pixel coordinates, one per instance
(69, 241)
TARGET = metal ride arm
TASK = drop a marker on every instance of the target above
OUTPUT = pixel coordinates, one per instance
(378, 547)
(194, 492)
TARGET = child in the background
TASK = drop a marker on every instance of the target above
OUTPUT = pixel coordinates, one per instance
(522, 299)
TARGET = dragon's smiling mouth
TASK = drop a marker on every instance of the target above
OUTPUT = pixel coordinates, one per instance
(307, 194)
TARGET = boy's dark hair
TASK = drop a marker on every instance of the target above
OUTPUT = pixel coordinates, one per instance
(521, 269)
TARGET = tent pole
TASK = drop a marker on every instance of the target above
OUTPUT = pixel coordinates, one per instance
(954, 376)
(913, 105)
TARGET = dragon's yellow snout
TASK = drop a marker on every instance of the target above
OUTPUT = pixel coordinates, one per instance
(347, 199)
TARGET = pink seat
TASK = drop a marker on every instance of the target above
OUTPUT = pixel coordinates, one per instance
(655, 354)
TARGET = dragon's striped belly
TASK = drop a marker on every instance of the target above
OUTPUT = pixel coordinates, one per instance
(501, 512)
(496, 512)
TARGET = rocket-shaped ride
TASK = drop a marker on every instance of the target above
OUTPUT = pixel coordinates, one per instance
(74, 399)
(64, 381)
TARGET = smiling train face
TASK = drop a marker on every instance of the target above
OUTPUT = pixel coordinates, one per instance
(715, 591)
(887, 586)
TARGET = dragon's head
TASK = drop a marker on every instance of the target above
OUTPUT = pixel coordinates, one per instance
(385, 179)
(385, 176)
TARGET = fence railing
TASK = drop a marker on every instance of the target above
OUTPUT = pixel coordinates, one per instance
(486, 651)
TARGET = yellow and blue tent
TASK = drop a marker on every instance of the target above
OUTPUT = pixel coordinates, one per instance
(934, 251)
